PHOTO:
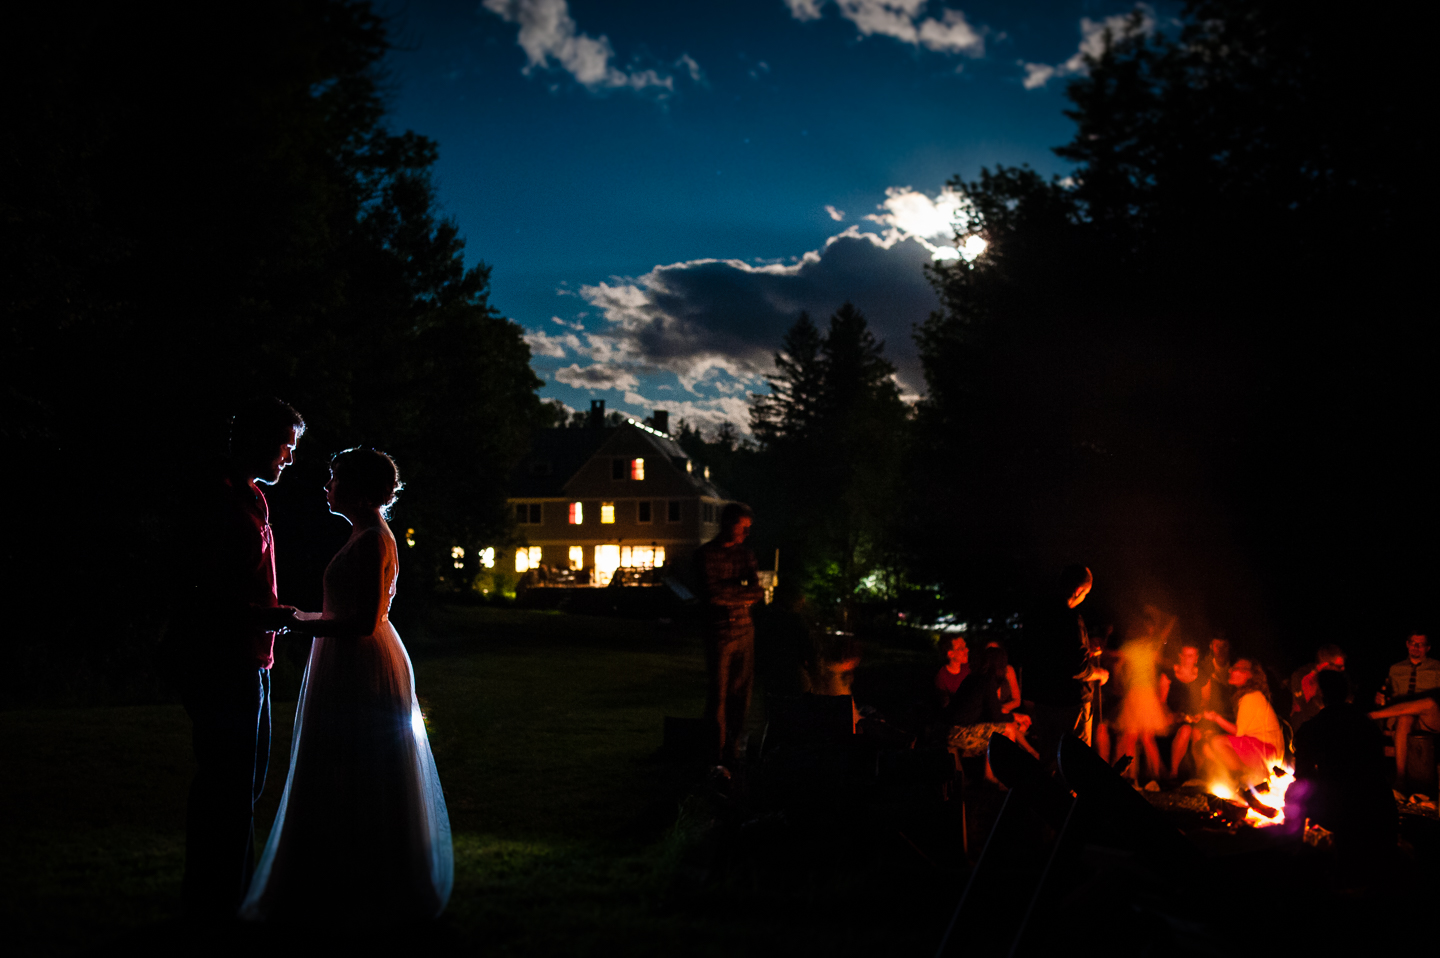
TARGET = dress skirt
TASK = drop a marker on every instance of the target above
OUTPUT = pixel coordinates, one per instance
(362, 836)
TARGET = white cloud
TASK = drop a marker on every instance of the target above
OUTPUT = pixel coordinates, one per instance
(597, 376)
(547, 32)
(836, 215)
(542, 344)
(952, 34)
(931, 222)
(706, 414)
(901, 19)
(688, 64)
(1095, 35)
(804, 9)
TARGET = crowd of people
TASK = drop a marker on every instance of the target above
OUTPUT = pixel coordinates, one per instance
(1164, 708)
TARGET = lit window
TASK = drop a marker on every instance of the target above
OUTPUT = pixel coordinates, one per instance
(458, 554)
(535, 556)
(659, 556)
(577, 557)
(577, 513)
(643, 511)
(487, 557)
(707, 472)
(642, 557)
(522, 560)
(672, 511)
(607, 513)
(607, 560)
(637, 468)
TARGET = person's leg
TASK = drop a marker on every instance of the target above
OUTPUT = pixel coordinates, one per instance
(1403, 725)
(1179, 747)
(261, 766)
(1153, 768)
(1127, 747)
(740, 682)
(219, 821)
(715, 686)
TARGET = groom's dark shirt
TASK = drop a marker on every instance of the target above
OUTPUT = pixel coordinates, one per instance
(228, 570)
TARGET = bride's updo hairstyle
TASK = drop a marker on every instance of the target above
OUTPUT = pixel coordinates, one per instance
(369, 475)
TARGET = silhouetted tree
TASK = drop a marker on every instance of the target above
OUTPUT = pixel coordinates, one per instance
(832, 433)
(1135, 370)
(199, 204)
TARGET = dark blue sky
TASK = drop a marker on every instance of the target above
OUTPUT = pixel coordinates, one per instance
(657, 206)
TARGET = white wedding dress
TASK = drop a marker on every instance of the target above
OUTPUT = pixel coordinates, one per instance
(362, 836)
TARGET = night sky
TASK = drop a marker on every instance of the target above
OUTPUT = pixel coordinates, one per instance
(660, 188)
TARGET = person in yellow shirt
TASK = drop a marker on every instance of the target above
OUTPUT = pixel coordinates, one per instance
(1253, 742)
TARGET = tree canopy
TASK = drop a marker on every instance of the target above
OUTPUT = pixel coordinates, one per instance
(1194, 360)
(201, 204)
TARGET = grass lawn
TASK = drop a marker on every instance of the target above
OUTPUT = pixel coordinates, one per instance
(545, 728)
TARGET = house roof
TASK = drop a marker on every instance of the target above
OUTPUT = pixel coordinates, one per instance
(557, 455)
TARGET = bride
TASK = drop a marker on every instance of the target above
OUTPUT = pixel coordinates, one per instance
(362, 835)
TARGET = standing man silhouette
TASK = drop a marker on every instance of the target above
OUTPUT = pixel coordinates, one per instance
(220, 644)
(1061, 665)
(729, 583)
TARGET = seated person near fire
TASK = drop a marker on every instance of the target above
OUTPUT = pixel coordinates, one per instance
(1251, 743)
(1412, 685)
(978, 709)
(1183, 692)
(955, 667)
(1307, 698)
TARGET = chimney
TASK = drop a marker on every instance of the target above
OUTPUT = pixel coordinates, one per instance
(661, 419)
(597, 413)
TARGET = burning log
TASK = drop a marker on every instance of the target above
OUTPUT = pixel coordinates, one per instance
(1259, 807)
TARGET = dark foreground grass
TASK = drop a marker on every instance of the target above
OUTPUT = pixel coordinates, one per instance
(569, 837)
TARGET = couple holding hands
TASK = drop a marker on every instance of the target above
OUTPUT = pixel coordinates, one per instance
(362, 836)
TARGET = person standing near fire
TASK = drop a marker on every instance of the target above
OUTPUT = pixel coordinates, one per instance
(1060, 666)
(728, 581)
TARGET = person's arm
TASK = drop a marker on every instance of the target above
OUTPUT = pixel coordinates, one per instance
(1012, 703)
(1164, 688)
(1221, 721)
(730, 590)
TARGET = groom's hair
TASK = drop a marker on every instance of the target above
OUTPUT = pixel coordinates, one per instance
(369, 474)
(260, 425)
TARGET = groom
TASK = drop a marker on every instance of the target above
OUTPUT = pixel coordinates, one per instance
(221, 642)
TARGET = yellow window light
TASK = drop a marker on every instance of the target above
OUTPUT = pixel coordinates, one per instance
(607, 513)
(607, 560)
(487, 557)
(637, 468)
(577, 557)
(577, 513)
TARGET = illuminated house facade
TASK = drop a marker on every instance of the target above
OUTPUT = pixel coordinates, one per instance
(588, 502)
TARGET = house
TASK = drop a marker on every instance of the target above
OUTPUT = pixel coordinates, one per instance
(590, 502)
